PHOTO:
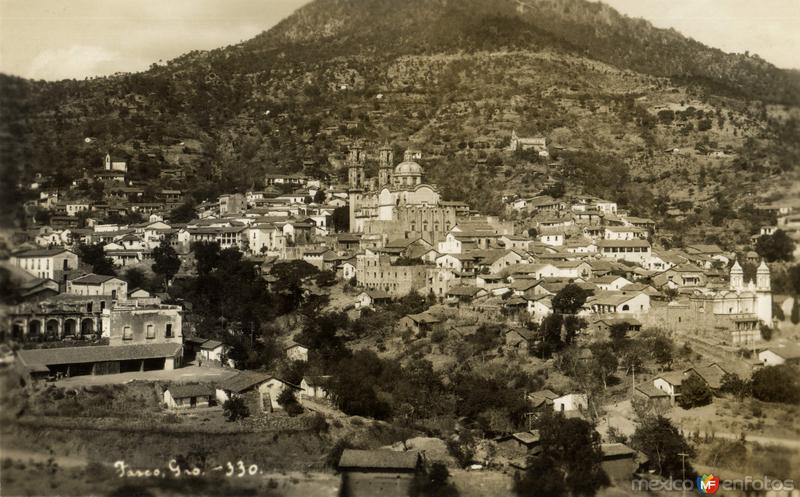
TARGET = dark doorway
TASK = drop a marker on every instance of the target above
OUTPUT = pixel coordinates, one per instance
(154, 364)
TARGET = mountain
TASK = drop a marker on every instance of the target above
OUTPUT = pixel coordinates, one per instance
(589, 28)
(454, 77)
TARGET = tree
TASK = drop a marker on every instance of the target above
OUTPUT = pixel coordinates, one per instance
(325, 278)
(95, 256)
(235, 409)
(694, 392)
(569, 447)
(775, 247)
(550, 335)
(794, 279)
(289, 402)
(660, 440)
(354, 389)
(206, 256)
(341, 219)
(570, 299)
(733, 384)
(776, 384)
(795, 316)
(42, 216)
(9, 289)
(618, 332)
(433, 481)
(766, 332)
(604, 361)
(135, 278)
(662, 350)
(166, 262)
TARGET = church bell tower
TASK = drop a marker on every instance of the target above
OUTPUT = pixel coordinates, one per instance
(385, 166)
(764, 294)
(355, 167)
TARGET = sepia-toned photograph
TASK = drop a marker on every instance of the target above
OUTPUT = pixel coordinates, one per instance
(399, 248)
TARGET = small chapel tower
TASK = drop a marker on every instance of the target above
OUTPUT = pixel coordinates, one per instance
(763, 282)
(737, 277)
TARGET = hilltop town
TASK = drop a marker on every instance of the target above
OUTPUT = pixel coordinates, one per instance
(285, 308)
(426, 248)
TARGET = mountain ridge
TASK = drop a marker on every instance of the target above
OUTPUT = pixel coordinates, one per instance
(591, 28)
(452, 75)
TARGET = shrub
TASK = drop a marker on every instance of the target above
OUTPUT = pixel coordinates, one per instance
(777, 384)
(438, 336)
(235, 409)
(733, 384)
(289, 402)
(694, 393)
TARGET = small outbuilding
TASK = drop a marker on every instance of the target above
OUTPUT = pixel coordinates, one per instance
(386, 473)
(189, 396)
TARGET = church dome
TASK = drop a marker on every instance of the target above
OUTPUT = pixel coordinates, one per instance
(408, 168)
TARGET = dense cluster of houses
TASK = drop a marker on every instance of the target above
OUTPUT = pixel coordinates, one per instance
(463, 260)
(481, 264)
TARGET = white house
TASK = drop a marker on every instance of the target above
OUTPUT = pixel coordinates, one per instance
(620, 303)
(610, 282)
(213, 351)
(368, 298)
(777, 355)
(571, 402)
(624, 233)
(46, 263)
(539, 307)
(98, 284)
(315, 387)
(670, 383)
(637, 251)
(554, 239)
(450, 245)
(449, 261)
(296, 352)
(606, 206)
(189, 396)
(348, 268)
(263, 388)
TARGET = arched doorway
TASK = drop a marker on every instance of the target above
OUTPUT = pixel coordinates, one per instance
(69, 327)
(34, 329)
(87, 326)
(51, 329)
(18, 330)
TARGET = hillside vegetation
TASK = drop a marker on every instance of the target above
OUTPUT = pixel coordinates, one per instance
(614, 96)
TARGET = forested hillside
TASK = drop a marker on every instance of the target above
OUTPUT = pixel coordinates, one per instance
(631, 112)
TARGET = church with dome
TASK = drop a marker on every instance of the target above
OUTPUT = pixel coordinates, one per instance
(398, 203)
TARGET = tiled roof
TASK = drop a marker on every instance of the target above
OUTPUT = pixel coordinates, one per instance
(195, 390)
(41, 252)
(616, 450)
(99, 353)
(210, 344)
(92, 279)
(423, 317)
(248, 379)
(623, 243)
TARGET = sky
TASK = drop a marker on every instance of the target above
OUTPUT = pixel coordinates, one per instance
(57, 39)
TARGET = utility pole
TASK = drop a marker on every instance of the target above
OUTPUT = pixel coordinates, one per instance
(683, 470)
(633, 381)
